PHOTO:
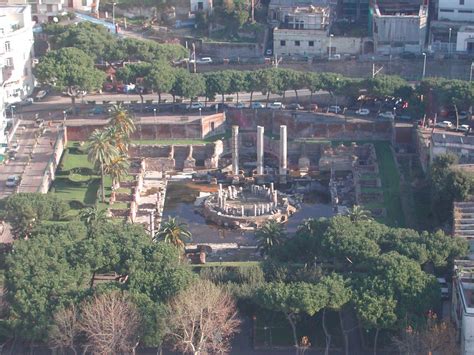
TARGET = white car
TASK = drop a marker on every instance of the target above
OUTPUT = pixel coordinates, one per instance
(388, 115)
(12, 181)
(363, 112)
(256, 105)
(239, 105)
(444, 124)
(204, 60)
(464, 128)
(276, 106)
(195, 106)
(444, 287)
(335, 109)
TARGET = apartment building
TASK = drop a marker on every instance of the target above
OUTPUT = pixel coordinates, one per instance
(16, 52)
(462, 310)
(456, 10)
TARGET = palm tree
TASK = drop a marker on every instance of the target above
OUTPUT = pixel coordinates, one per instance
(174, 232)
(119, 139)
(101, 152)
(117, 169)
(357, 214)
(92, 216)
(268, 236)
(121, 118)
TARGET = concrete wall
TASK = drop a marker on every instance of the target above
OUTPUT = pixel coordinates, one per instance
(228, 49)
(454, 11)
(464, 36)
(285, 42)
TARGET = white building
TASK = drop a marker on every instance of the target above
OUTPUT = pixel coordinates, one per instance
(465, 39)
(200, 5)
(456, 10)
(46, 10)
(462, 310)
(16, 52)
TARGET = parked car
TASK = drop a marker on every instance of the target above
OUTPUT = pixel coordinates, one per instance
(312, 107)
(12, 181)
(203, 60)
(444, 124)
(404, 117)
(464, 128)
(363, 112)
(295, 106)
(269, 52)
(219, 106)
(256, 105)
(239, 105)
(41, 94)
(463, 115)
(26, 102)
(276, 105)
(444, 287)
(389, 115)
(195, 106)
(335, 109)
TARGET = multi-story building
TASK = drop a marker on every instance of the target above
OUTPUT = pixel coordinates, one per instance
(398, 28)
(456, 10)
(354, 10)
(16, 52)
(462, 310)
(46, 10)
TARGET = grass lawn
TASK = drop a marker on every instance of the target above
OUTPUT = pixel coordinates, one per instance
(390, 179)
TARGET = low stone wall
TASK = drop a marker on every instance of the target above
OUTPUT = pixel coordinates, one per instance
(50, 171)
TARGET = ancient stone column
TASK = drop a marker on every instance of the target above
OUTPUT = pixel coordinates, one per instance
(283, 150)
(260, 131)
(235, 150)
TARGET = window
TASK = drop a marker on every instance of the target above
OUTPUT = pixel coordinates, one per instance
(84, 2)
(282, 43)
(34, 8)
(7, 46)
(297, 43)
(311, 43)
(49, 8)
(461, 2)
(9, 62)
(465, 11)
(200, 6)
(446, 10)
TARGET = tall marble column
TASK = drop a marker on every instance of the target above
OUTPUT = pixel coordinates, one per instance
(283, 150)
(260, 143)
(235, 150)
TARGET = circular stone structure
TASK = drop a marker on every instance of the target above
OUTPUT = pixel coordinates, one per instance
(246, 208)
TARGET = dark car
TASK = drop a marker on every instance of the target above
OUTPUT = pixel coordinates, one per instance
(295, 106)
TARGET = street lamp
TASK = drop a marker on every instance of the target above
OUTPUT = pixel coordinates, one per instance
(424, 65)
(200, 111)
(154, 112)
(449, 40)
(113, 13)
(330, 46)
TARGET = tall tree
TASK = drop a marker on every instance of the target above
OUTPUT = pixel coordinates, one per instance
(238, 82)
(117, 169)
(101, 152)
(202, 320)
(65, 329)
(174, 232)
(69, 70)
(161, 78)
(121, 118)
(111, 322)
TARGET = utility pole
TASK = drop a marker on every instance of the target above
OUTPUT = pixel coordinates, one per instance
(152, 224)
(253, 10)
(470, 75)
(194, 57)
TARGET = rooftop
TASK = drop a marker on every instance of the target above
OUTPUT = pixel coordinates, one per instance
(464, 279)
(12, 9)
(452, 138)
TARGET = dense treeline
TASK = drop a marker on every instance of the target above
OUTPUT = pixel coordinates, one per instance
(70, 68)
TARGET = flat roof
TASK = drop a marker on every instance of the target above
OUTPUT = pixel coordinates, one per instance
(464, 272)
(12, 9)
(452, 138)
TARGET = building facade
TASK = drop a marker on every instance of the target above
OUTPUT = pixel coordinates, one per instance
(462, 309)
(465, 39)
(456, 10)
(451, 142)
(396, 32)
(16, 52)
